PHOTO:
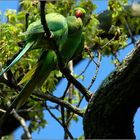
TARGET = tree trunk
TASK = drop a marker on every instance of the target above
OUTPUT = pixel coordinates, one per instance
(111, 111)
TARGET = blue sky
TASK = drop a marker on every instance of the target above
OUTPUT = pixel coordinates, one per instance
(53, 130)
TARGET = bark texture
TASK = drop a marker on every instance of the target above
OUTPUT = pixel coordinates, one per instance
(111, 111)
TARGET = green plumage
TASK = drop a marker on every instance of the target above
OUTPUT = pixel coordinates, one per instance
(35, 36)
(57, 25)
(46, 63)
(74, 38)
(69, 39)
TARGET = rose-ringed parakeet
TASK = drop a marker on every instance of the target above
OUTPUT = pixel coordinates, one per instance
(48, 61)
(57, 24)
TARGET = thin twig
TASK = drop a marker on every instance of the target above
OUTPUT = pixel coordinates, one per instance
(87, 49)
(97, 70)
(71, 116)
(129, 30)
(102, 47)
(86, 67)
(23, 124)
(62, 108)
(68, 132)
(63, 116)
(37, 110)
(21, 120)
(129, 44)
(65, 92)
(70, 97)
(77, 84)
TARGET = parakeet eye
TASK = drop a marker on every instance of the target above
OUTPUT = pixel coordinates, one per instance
(79, 13)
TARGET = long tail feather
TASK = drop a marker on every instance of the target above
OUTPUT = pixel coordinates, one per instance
(45, 66)
(27, 47)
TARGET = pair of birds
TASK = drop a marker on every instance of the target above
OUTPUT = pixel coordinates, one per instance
(67, 33)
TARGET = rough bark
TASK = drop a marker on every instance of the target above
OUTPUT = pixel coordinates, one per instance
(111, 111)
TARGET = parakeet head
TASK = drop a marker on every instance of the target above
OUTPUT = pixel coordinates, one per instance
(79, 12)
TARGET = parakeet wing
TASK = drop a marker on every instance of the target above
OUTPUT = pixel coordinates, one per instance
(57, 24)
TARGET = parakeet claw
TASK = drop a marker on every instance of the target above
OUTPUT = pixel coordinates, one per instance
(51, 36)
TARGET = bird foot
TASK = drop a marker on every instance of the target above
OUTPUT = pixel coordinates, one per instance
(51, 36)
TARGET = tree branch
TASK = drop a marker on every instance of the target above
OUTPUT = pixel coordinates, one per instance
(43, 20)
(21, 121)
(23, 124)
(97, 69)
(70, 97)
(60, 102)
(61, 65)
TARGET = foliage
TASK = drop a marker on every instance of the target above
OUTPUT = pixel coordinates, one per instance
(13, 33)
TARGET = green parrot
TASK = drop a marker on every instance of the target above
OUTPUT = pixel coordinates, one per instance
(58, 27)
(71, 47)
